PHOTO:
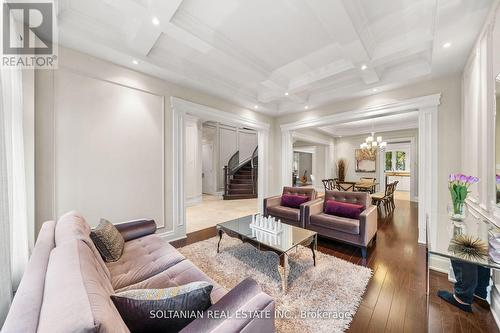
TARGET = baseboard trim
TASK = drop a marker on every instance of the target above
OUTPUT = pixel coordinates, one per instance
(439, 264)
(495, 304)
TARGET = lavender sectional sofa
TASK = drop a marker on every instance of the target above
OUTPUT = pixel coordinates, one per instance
(67, 285)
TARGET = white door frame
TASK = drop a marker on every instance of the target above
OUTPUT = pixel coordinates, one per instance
(182, 108)
(329, 152)
(427, 107)
(413, 165)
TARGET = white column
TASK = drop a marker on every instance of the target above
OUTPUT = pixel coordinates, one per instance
(178, 158)
(427, 170)
(286, 157)
(263, 170)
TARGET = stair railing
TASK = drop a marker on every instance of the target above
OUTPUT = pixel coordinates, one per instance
(255, 164)
(234, 164)
(230, 169)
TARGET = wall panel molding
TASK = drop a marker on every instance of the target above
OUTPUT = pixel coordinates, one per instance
(161, 221)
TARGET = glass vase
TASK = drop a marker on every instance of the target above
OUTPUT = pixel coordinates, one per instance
(457, 211)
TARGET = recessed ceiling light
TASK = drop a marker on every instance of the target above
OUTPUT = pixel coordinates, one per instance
(286, 93)
(256, 107)
(374, 89)
(306, 107)
(155, 21)
(446, 45)
(135, 62)
(364, 67)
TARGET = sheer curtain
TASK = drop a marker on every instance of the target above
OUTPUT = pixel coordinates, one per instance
(12, 102)
(13, 199)
(5, 273)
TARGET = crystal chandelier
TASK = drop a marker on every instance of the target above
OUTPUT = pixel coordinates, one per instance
(370, 145)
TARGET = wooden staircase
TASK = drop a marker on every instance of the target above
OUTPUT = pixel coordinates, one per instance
(241, 179)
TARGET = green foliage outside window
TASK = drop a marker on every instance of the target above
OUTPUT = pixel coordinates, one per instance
(400, 160)
(388, 161)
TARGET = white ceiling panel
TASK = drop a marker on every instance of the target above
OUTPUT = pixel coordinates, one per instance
(282, 55)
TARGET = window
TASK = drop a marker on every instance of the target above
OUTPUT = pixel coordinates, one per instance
(397, 161)
(388, 161)
(400, 161)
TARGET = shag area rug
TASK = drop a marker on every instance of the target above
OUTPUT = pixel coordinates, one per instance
(321, 298)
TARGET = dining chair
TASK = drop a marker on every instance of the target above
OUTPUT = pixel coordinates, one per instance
(346, 186)
(391, 195)
(385, 197)
(329, 184)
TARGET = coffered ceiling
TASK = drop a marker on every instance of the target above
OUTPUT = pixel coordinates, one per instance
(278, 56)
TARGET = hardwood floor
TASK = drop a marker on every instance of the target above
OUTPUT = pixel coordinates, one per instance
(395, 299)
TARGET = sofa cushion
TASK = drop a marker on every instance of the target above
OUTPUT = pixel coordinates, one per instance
(141, 259)
(358, 198)
(147, 310)
(108, 240)
(72, 226)
(77, 294)
(179, 274)
(350, 226)
(24, 312)
(343, 209)
(287, 213)
(293, 200)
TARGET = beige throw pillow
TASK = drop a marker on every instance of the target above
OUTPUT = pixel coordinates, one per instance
(108, 241)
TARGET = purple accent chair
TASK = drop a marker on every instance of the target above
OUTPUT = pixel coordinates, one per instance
(67, 286)
(292, 216)
(359, 232)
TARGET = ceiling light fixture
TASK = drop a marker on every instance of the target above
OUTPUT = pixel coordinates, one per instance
(135, 62)
(371, 143)
(256, 107)
(374, 89)
(306, 107)
(446, 45)
(364, 67)
(286, 93)
(155, 21)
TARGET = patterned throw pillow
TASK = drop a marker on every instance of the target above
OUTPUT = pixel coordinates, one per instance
(108, 240)
(163, 310)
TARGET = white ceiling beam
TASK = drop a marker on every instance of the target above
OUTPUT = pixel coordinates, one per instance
(354, 46)
(146, 36)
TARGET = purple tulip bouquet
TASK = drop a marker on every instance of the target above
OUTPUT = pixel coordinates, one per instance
(459, 184)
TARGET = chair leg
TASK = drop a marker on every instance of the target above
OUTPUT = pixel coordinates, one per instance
(363, 252)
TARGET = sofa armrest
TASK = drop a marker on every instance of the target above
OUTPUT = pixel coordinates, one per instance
(368, 224)
(271, 202)
(310, 208)
(241, 302)
(135, 229)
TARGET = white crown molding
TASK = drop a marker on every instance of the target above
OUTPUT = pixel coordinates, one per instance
(370, 112)
(366, 129)
(206, 112)
(310, 138)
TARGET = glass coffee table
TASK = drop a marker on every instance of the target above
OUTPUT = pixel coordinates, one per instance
(280, 243)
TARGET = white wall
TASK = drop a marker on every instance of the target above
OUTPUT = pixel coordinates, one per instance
(98, 72)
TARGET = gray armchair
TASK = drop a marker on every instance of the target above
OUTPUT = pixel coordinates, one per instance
(359, 232)
(292, 216)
